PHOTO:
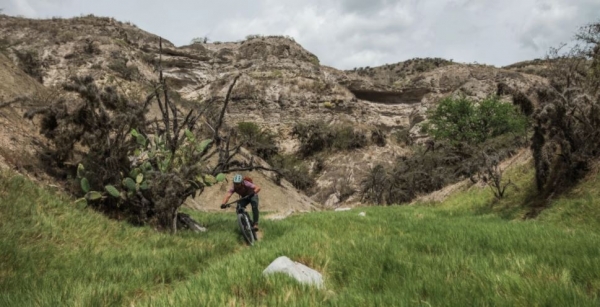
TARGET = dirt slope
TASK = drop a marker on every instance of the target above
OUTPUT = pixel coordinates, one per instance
(17, 135)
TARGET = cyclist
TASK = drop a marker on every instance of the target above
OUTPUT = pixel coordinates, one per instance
(245, 188)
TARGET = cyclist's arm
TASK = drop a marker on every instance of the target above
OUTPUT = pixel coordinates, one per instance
(227, 196)
(255, 188)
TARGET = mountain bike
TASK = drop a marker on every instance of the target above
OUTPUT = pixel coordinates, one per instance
(244, 222)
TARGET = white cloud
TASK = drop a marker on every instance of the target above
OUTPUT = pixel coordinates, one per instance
(351, 33)
(20, 7)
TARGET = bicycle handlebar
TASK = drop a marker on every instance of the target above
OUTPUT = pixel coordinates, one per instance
(235, 201)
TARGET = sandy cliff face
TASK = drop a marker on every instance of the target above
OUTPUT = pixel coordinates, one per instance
(281, 84)
(17, 136)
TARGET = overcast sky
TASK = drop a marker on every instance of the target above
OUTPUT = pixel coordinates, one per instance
(353, 33)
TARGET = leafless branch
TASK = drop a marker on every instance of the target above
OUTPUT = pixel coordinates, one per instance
(10, 102)
(252, 168)
(216, 137)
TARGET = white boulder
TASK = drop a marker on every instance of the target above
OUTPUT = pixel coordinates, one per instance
(299, 271)
(343, 209)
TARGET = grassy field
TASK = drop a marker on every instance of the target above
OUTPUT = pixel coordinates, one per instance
(467, 251)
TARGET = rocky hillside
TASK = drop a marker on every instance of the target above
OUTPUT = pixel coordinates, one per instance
(281, 84)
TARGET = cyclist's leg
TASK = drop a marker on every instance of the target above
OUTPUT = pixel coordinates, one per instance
(243, 202)
(254, 203)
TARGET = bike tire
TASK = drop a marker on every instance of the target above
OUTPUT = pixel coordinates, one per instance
(245, 228)
(252, 228)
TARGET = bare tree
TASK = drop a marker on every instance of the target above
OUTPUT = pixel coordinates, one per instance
(492, 175)
(567, 125)
(130, 164)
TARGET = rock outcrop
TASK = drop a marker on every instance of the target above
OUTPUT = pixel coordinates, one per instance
(296, 270)
(281, 84)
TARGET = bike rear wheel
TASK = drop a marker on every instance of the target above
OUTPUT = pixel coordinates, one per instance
(246, 228)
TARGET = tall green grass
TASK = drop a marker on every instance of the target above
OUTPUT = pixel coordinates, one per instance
(53, 254)
(405, 256)
(465, 252)
(579, 208)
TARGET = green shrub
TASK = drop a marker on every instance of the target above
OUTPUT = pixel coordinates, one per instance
(462, 120)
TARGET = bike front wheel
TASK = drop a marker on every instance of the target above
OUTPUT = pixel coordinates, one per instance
(251, 227)
(246, 228)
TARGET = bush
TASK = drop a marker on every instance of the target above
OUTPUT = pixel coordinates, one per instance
(378, 137)
(402, 136)
(263, 144)
(317, 136)
(126, 72)
(567, 125)
(260, 141)
(253, 36)
(346, 137)
(91, 48)
(313, 136)
(462, 120)
(294, 170)
(128, 164)
(434, 166)
(199, 40)
(30, 63)
(5, 44)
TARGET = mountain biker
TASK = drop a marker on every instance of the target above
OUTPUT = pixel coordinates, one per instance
(244, 188)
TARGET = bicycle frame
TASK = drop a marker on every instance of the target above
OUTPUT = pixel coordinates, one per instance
(244, 222)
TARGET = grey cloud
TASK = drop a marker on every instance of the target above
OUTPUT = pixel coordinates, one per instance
(365, 7)
(18, 7)
(556, 22)
(351, 33)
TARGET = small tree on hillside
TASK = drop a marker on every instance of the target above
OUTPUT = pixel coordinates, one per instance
(493, 176)
(462, 120)
(466, 124)
(467, 134)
